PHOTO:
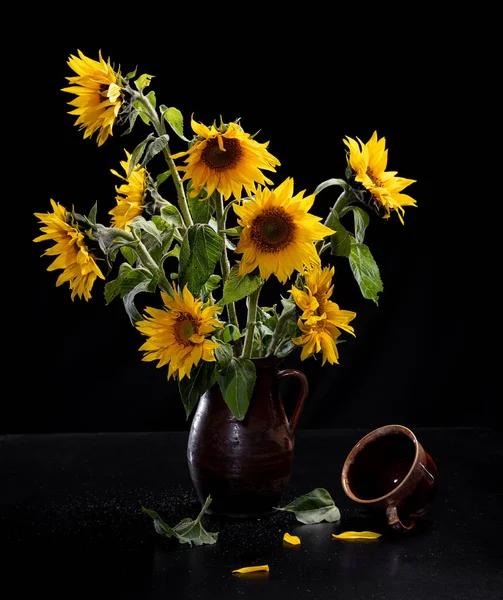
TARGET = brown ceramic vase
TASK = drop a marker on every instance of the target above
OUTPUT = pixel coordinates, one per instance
(245, 466)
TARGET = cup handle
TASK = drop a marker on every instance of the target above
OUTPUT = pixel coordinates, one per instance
(302, 394)
(394, 520)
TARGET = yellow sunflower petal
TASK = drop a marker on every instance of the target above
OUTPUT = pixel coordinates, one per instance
(357, 535)
(252, 569)
(293, 540)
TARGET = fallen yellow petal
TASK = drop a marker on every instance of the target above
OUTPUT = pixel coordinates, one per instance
(252, 569)
(291, 539)
(357, 535)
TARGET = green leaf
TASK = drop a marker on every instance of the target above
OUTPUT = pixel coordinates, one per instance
(143, 81)
(129, 254)
(200, 251)
(340, 241)
(127, 279)
(148, 226)
(201, 379)
(128, 299)
(175, 119)
(171, 215)
(154, 148)
(137, 154)
(201, 210)
(362, 220)
(224, 355)
(237, 287)
(151, 98)
(365, 271)
(231, 333)
(212, 284)
(187, 531)
(237, 384)
(315, 507)
(162, 178)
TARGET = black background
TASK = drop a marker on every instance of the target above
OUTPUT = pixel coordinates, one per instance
(420, 358)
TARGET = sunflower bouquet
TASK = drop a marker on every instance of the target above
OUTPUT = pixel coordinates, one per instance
(203, 237)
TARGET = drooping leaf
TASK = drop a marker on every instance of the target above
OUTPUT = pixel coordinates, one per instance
(224, 355)
(340, 241)
(293, 540)
(175, 119)
(237, 287)
(138, 153)
(128, 299)
(361, 219)
(357, 535)
(200, 251)
(127, 279)
(252, 569)
(315, 507)
(237, 384)
(187, 531)
(201, 379)
(365, 271)
(146, 225)
(154, 148)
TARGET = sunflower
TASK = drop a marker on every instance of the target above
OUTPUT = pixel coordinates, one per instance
(78, 264)
(130, 194)
(369, 161)
(177, 333)
(98, 95)
(226, 159)
(318, 289)
(278, 232)
(322, 320)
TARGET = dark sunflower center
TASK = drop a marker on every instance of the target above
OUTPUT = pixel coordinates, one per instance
(185, 326)
(273, 230)
(218, 160)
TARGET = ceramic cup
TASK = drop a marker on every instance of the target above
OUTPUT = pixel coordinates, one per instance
(389, 470)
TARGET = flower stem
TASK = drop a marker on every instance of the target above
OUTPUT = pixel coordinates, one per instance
(144, 255)
(251, 322)
(161, 130)
(278, 330)
(225, 264)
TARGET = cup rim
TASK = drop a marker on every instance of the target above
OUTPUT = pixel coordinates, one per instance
(366, 439)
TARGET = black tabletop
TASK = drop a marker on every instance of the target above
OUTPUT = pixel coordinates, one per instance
(71, 524)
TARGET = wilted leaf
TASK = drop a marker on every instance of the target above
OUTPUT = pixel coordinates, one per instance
(252, 569)
(315, 507)
(294, 540)
(365, 271)
(357, 535)
(236, 385)
(188, 531)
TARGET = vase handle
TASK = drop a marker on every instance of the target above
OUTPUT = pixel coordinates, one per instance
(302, 394)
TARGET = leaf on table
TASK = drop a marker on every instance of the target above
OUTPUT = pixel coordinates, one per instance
(252, 569)
(187, 531)
(315, 507)
(293, 540)
(357, 535)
